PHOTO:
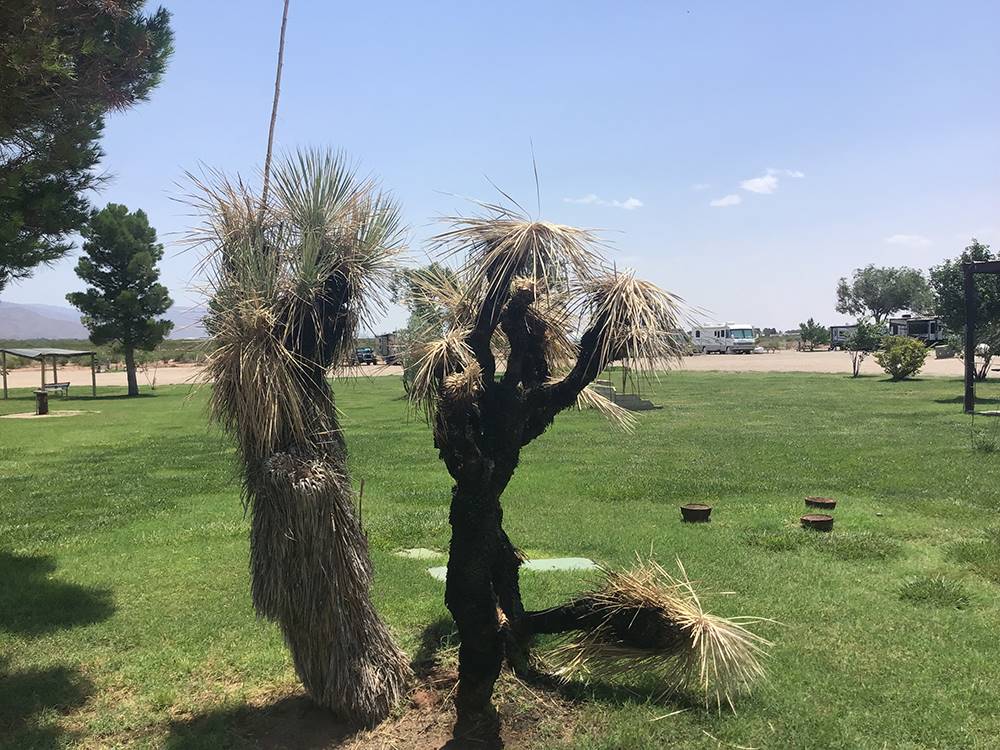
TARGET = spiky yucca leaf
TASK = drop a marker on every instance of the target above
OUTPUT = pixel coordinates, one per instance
(503, 245)
(272, 270)
(438, 300)
(619, 417)
(634, 319)
(438, 360)
(654, 622)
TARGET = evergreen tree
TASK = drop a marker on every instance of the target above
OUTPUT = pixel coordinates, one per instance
(124, 299)
(63, 66)
(812, 334)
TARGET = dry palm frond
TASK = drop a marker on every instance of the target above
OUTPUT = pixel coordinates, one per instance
(635, 320)
(503, 245)
(439, 359)
(258, 393)
(652, 621)
(619, 417)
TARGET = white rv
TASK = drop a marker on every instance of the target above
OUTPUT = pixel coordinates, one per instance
(724, 338)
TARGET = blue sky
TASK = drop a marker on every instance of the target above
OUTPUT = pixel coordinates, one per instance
(828, 135)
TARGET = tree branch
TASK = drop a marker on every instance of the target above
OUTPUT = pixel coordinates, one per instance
(548, 399)
(525, 331)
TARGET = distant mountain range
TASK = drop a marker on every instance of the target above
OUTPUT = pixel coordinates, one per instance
(19, 321)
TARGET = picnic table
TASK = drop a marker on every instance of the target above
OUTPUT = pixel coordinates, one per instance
(61, 388)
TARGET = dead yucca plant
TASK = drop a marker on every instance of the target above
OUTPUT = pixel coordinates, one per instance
(291, 280)
(529, 320)
(649, 620)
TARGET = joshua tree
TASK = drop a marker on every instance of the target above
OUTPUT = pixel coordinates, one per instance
(292, 277)
(507, 365)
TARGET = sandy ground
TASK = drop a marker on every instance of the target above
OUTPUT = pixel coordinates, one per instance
(785, 361)
(793, 361)
(79, 377)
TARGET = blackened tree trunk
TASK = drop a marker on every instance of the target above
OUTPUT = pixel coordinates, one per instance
(133, 383)
(481, 445)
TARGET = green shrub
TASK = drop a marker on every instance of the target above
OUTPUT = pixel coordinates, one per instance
(901, 357)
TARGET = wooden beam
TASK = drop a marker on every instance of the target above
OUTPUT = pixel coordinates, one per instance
(971, 306)
(93, 375)
(42, 358)
(3, 366)
(55, 370)
(985, 266)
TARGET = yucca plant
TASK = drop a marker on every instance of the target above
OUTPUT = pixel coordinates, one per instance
(535, 315)
(291, 277)
(650, 620)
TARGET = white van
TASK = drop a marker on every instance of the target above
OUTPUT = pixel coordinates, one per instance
(724, 338)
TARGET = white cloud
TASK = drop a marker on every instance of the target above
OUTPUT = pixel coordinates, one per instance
(727, 200)
(908, 240)
(591, 199)
(585, 200)
(700, 186)
(767, 183)
(629, 204)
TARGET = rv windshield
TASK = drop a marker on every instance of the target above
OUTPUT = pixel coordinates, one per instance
(741, 333)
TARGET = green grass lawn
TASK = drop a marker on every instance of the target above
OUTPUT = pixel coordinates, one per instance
(125, 616)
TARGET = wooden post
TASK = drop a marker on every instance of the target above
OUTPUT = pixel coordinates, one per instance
(42, 358)
(971, 306)
(3, 366)
(55, 370)
(93, 375)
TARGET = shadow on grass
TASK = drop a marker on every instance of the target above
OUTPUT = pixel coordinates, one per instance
(32, 604)
(440, 635)
(296, 722)
(961, 399)
(29, 700)
(292, 723)
(112, 397)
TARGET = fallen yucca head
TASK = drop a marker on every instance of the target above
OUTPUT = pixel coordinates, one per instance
(647, 619)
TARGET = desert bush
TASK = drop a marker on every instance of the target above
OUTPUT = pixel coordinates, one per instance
(901, 357)
(812, 334)
(866, 338)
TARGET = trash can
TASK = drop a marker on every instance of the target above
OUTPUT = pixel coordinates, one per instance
(41, 402)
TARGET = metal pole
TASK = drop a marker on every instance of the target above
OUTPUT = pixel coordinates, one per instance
(3, 366)
(93, 375)
(971, 307)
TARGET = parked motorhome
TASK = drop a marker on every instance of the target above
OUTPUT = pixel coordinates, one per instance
(724, 338)
(928, 330)
(839, 335)
(388, 348)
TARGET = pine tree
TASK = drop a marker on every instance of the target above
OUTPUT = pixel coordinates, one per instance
(63, 66)
(124, 299)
